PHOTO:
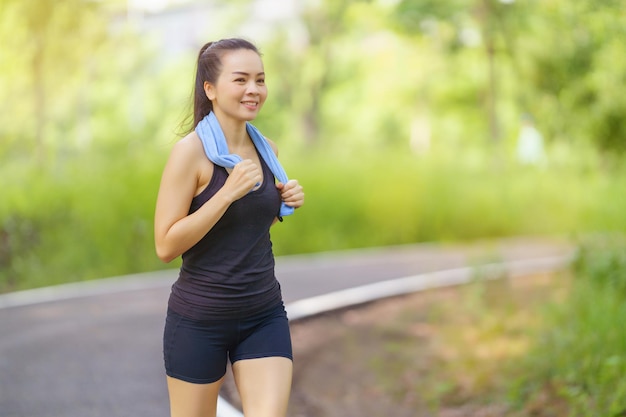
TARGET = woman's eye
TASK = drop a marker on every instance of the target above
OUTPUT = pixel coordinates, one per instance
(261, 81)
(240, 80)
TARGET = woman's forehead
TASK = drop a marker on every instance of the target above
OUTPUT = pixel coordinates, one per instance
(242, 60)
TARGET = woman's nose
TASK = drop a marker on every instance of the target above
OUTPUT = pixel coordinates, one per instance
(252, 88)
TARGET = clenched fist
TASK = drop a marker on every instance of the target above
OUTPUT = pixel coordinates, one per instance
(291, 193)
(245, 176)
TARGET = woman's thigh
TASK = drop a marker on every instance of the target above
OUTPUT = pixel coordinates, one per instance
(262, 365)
(193, 400)
(264, 385)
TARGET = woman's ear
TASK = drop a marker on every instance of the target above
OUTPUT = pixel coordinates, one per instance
(209, 90)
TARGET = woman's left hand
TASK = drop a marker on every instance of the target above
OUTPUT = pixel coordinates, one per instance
(291, 193)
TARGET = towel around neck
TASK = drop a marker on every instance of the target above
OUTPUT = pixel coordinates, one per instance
(216, 149)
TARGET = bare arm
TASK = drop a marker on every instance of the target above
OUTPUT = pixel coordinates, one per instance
(175, 231)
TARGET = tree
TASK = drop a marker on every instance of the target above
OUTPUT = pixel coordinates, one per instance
(575, 66)
(307, 64)
(469, 23)
(48, 44)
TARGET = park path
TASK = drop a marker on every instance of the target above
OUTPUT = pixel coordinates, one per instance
(94, 349)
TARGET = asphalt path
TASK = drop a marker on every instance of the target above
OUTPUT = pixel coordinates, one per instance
(94, 349)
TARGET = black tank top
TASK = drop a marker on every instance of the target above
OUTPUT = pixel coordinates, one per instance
(229, 273)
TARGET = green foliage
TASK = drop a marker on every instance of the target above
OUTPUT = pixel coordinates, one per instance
(390, 198)
(580, 355)
(87, 121)
(555, 59)
(410, 13)
(601, 260)
(43, 71)
(90, 218)
(574, 78)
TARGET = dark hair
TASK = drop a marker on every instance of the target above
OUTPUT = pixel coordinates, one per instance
(209, 67)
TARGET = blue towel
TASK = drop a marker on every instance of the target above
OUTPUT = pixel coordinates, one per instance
(216, 149)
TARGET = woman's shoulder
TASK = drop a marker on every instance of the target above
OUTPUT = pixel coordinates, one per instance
(190, 143)
(188, 153)
(188, 148)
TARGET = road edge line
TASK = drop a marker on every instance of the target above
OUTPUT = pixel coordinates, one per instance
(309, 307)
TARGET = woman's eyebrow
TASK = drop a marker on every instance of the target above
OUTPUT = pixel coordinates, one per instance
(245, 73)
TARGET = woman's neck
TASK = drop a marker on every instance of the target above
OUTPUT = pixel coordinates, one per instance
(234, 131)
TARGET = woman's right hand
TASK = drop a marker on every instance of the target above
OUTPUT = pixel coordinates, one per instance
(243, 178)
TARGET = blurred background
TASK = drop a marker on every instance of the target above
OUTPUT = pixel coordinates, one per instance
(405, 120)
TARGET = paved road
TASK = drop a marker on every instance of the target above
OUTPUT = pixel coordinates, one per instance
(93, 349)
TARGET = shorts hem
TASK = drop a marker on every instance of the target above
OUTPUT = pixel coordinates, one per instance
(263, 355)
(193, 380)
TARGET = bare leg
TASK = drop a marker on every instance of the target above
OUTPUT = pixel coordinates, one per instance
(264, 385)
(193, 400)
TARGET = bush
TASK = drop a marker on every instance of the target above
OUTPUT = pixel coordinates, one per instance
(580, 354)
(601, 260)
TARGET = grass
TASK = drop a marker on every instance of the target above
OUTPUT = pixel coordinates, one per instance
(90, 215)
(558, 349)
(581, 356)
(393, 198)
(79, 219)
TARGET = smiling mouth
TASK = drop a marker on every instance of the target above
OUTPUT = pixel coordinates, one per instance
(250, 103)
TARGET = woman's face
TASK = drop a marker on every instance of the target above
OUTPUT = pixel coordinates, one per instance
(240, 90)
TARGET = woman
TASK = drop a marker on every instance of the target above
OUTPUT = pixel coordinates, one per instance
(226, 302)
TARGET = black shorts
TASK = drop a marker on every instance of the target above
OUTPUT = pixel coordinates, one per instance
(198, 351)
